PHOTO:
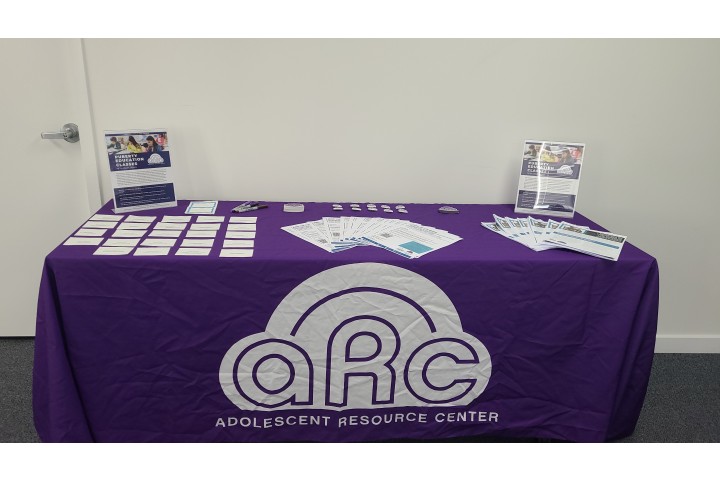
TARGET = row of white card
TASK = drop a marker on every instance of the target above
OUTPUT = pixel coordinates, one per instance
(169, 219)
(158, 242)
(154, 251)
(408, 239)
(233, 231)
(541, 235)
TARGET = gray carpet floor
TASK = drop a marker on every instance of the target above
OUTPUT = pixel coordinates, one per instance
(682, 403)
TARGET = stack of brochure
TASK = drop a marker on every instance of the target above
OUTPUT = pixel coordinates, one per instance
(540, 235)
(408, 239)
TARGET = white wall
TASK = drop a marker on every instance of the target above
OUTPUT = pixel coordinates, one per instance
(443, 121)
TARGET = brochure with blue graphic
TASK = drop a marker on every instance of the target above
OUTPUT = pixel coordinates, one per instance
(407, 239)
(540, 235)
(140, 169)
(549, 178)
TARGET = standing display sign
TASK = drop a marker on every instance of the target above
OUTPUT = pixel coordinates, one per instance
(140, 170)
(549, 178)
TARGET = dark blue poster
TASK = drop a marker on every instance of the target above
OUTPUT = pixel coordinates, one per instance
(140, 169)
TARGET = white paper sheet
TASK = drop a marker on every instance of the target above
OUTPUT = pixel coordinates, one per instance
(133, 226)
(128, 233)
(310, 234)
(177, 218)
(159, 242)
(236, 252)
(197, 242)
(106, 218)
(604, 245)
(413, 240)
(121, 242)
(170, 226)
(205, 226)
(243, 219)
(92, 224)
(148, 251)
(210, 219)
(232, 234)
(83, 241)
(113, 251)
(201, 233)
(91, 232)
(165, 233)
(140, 218)
(193, 251)
(245, 227)
(238, 243)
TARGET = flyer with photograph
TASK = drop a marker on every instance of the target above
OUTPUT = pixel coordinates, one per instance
(549, 178)
(140, 169)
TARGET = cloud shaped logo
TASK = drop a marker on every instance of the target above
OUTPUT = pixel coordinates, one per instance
(364, 335)
(155, 159)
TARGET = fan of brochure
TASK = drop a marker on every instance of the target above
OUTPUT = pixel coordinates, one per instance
(540, 235)
(408, 239)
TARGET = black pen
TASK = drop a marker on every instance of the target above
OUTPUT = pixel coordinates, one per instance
(250, 209)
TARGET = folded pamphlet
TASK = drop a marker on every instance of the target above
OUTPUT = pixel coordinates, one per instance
(404, 238)
(541, 235)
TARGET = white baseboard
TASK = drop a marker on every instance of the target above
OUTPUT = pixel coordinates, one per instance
(687, 344)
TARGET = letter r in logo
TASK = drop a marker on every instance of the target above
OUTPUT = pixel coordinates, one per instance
(362, 346)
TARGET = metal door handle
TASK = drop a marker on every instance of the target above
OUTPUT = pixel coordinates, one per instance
(70, 133)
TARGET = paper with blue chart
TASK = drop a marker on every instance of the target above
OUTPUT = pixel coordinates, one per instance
(140, 169)
(404, 238)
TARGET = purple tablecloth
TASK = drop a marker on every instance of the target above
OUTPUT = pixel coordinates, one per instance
(482, 337)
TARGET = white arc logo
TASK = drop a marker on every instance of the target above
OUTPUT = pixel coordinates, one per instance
(364, 335)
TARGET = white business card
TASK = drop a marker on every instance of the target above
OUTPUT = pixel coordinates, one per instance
(236, 252)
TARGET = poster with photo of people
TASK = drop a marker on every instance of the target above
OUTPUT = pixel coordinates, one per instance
(140, 169)
(549, 178)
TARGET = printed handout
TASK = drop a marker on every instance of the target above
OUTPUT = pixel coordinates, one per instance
(404, 238)
(542, 235)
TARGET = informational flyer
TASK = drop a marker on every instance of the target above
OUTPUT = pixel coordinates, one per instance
(549, 178)
(140, 169)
